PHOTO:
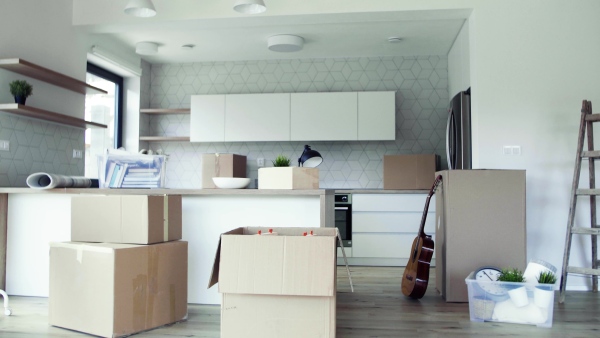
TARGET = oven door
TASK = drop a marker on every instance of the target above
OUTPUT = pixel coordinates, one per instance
(343, 221)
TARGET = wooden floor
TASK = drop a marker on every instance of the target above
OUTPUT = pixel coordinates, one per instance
(377, 308)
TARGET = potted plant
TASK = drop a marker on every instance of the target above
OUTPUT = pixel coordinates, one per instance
(543, 294)
(281, 161)
(517, 293)
(20, 89)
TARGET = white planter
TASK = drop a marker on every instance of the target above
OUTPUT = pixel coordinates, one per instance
(288, 178)
(543, 297)
(519, 296)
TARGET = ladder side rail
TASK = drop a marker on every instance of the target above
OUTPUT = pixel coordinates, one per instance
(592, 169)
(573, 203)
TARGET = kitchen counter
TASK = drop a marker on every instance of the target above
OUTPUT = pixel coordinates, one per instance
(313, 192)
(379, 191)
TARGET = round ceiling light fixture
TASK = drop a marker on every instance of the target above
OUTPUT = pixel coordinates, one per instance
(146, 48)
(250, 6)
(394, 39)
(285, 43)
(140, 8)
(188, 47)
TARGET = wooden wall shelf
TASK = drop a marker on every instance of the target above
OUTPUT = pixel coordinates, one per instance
(40, 114)
(165, 138)
(29, 69)
(165, 111)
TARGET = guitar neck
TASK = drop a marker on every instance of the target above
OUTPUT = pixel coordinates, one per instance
(436, 183)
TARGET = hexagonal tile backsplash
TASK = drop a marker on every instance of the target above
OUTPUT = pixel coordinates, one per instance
(421, 85)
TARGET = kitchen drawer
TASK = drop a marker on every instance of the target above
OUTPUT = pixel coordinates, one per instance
(382, 245)
(391, 202)
(396, 222)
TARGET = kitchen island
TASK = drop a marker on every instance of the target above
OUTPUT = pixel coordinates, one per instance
(31, 218)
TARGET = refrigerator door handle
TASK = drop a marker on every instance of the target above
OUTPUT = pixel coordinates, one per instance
(450, 139)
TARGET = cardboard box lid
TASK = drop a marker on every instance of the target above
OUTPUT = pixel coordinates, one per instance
(286, 264)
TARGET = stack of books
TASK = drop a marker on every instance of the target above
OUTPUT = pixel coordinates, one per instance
(141, 171)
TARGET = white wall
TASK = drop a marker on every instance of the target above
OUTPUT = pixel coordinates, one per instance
(459, 63)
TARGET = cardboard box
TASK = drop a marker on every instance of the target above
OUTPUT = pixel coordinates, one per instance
(413, 172)
(114, 290)
(481, 218)
(133, 219)
(277, 286)
(221, 165)
(288, 178)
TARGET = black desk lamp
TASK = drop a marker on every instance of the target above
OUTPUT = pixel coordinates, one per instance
(309, 158)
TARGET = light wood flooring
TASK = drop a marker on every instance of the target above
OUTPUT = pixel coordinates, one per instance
(377, 308)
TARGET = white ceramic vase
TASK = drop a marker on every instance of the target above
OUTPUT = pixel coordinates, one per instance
(519, 296)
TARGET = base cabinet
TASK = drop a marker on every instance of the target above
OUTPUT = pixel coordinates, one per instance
(385, 225)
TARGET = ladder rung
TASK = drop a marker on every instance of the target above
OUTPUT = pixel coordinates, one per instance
(583, 271)
(585, 231)
(590, 154)
(588, 192)
(592, 117)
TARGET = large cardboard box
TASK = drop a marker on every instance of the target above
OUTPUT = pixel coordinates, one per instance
(221, 165)
(133, 219)
(113, 290)
(288, 178)
(413, 172)
(480, 221)
(277, 286)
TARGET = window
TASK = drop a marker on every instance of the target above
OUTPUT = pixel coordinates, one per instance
(106, 109)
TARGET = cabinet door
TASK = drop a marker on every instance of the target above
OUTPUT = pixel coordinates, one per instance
(207, 118)
(324, 116)
(377, 115)
(257, 117)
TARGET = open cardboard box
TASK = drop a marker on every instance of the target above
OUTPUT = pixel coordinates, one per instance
(280, 285)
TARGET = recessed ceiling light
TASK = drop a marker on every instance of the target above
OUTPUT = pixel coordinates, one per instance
(394, 39)
(285, 43)
(188, 47)
(250, 6)
(140, 8)
(146, 48)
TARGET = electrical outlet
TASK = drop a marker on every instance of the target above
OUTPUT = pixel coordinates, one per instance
(77, 153)
(507, 150)
(260, 162)
(516, 150)
(4, 145)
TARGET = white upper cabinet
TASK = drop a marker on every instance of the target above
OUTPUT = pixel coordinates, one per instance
(207, 118)
(377, 116)
(324, 116)
(257, 117)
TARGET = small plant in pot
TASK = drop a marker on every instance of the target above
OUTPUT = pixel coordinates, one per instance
(20, 89)
(543, 294)
(281, 161)
(518, 294)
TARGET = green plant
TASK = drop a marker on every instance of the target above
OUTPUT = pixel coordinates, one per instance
(20, 88)
(546, 277)
(511, 275)
(281, 161)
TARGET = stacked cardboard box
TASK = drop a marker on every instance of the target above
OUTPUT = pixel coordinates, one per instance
(126, 269)
(277, 286)
(221, 165)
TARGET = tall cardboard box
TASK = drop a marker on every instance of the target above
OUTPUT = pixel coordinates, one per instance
(277, 286)
(480, 221)
(413, 172)
(133, 219)
(114, 290)
(221, 165)
(288, 178)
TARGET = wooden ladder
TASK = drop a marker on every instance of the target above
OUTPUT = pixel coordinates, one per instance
(586, 126)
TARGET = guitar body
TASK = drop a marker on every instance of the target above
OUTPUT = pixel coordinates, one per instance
(416, 273)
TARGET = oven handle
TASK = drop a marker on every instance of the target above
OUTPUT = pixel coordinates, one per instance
(341, 208)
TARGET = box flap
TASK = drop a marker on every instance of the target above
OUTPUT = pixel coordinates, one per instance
(214, 274)
(286, 264)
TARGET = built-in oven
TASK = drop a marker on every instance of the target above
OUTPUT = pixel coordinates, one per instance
(343, 217)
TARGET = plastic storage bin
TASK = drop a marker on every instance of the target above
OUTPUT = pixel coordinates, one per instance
(131, 171)
(491, 301)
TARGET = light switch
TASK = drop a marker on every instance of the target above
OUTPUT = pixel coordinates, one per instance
(4, 145)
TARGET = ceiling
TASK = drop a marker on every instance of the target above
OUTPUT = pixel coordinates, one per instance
(245, 37)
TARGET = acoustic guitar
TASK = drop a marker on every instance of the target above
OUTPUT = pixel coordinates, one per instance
(416, 274)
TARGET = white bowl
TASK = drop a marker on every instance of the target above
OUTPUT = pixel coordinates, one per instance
(231, 182)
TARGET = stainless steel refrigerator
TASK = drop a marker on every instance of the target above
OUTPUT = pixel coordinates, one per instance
(458, 131)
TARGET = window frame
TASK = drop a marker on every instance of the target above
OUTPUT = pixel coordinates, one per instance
(118, 81)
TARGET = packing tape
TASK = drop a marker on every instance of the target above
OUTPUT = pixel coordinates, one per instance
(166, 218)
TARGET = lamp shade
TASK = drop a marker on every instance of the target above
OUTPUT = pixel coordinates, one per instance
(309, 158)
(140, 8)
(250, 6)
